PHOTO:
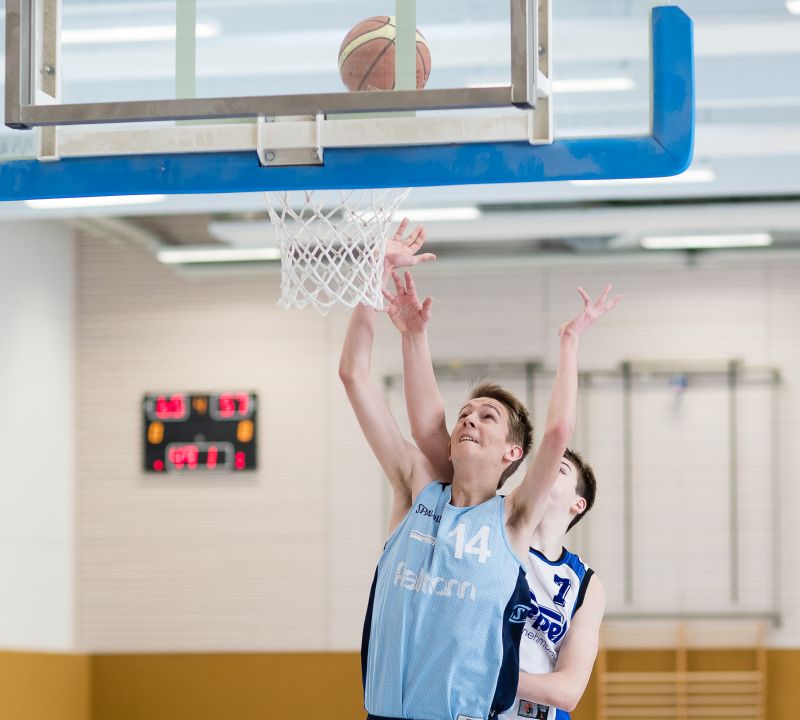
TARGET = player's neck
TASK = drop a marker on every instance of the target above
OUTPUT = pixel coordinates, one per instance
(549, 536)
(470, 488)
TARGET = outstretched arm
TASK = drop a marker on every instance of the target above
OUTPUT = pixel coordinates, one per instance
(529, 501)
(423, 400)
(376, 421)
(564, 687)
(403, 464)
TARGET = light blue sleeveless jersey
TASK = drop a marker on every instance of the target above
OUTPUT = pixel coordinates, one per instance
(557, 590)
(446, 612)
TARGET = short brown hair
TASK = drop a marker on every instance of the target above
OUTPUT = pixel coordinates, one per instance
(586, 486)
(520, 430)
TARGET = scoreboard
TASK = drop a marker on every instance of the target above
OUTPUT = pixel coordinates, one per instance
(191, 433)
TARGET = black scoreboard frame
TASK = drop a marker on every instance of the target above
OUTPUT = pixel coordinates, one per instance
(190, 433)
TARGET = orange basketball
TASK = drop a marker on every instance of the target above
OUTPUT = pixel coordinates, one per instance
(367, 55)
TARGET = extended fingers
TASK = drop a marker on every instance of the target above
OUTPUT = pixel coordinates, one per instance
(587, 301)
(416, 238)
(417, 259)
(410, 289)
(426, 309)
(398, 236)
(391, 299)
(601, 301)
(398, 284)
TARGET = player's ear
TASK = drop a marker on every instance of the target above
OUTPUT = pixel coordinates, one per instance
(578, 506)
(514, 453)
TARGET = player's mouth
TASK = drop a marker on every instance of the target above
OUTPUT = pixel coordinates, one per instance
(467, 438)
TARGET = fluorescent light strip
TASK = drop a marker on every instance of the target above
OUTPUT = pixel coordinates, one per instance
(90, 202)
(793, 6)
(696, 175)
(143, 33)
(702, 242)
(587, 85)
(187, 256)
(437, 214)
(580, 85)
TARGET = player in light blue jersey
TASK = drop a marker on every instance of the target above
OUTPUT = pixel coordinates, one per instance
(450, 600)
(559, 645)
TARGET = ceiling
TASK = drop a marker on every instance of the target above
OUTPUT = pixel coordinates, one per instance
(748, 96)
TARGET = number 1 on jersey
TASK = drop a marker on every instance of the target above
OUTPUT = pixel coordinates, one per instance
(478, 544)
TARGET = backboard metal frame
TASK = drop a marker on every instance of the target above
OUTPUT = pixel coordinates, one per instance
(22, 112)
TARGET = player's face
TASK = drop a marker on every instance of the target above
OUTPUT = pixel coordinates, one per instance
(565, 491)
(482, 426)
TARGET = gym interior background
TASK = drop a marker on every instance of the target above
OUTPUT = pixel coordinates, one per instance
(133, 596)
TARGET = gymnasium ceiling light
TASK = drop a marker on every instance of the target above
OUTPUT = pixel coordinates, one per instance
(138, 33)
(691, 176)
(793, 6)
(580, 85)
(92, 202)
(705, 242)
(445, 214)
(587, 85)
(206, 254)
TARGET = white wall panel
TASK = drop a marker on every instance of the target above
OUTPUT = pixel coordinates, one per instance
(37, 410)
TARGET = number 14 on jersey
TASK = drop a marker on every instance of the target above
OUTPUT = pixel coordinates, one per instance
(478, 544)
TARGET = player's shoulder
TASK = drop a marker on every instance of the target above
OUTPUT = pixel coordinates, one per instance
(572, 558)
(592, 594)
(565, 559)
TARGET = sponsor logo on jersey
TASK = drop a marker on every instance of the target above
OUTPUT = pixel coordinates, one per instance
(427, 512)
(422, 537)
(422, 582)
(547, 621)
(519, 614)
(534, 710)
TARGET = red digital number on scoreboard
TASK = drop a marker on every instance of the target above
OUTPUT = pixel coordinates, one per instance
(232, 406)
(171, 407)
(203, 456)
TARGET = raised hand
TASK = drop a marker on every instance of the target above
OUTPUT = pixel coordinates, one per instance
(402, 252)
(591, 312)
(405, 310)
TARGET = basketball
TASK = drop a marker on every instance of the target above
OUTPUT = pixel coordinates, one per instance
(367, 55)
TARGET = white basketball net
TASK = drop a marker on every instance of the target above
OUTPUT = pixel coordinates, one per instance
(332, 245)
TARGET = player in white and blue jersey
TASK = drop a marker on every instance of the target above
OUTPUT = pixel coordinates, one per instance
(559, 645)
(450, 599)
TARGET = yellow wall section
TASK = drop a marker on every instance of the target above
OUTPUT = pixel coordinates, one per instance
(43, 686)
(301, 686)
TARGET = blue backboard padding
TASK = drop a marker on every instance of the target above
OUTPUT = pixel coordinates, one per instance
(667, 151)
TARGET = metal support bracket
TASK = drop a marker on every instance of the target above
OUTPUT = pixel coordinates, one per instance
(278, 150)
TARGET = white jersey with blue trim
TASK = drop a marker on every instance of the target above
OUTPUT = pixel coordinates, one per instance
(448, 606)
(557, 590)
